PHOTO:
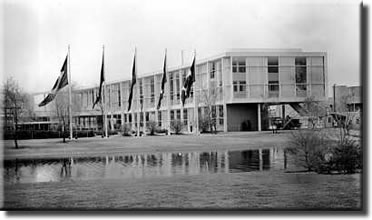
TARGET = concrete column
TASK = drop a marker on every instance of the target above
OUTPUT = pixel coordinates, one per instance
(225, 117)
(144, 122)
(259, 116)
(122, 120)
(283, 112)
(111, 121)
(188, 121)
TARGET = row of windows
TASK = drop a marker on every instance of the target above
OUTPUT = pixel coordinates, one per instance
(239, 66)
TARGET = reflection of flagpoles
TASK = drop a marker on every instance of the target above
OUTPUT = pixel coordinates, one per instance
(69, 92)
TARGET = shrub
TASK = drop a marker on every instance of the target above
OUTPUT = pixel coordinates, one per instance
(309, 149)
(151, 126)
(204, 124)
(316, 153)
(347, 157)
(126, 130)
(161, 130)
(177, 126)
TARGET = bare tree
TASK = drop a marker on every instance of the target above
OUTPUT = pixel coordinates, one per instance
(15, 105)
(314, 111)
(343, 117)
(61, 103)
(208, 100)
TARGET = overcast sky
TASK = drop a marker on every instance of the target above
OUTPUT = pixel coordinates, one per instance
(37, 33)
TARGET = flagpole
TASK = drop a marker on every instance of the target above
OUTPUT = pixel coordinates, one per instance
(138, 94)
(168, 99)
(195, 101)
(69, 92)
(104, 94)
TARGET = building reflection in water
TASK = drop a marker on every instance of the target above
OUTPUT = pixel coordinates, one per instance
(134, 166)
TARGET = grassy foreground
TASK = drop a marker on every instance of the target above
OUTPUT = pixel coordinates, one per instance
(97, 146)
(256, 190)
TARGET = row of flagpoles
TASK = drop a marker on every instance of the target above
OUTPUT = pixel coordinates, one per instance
(65, 79)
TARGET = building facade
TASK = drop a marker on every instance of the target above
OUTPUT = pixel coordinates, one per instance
(233, 86)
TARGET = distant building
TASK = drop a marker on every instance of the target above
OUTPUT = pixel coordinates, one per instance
(346, 101)
(243, 80)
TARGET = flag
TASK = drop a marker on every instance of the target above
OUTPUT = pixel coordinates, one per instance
(61, 82)
(163, 81)
(134, 79)
(190, 79)
(102, 80)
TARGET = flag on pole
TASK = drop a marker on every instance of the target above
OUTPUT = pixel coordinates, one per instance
(134, 79)
(61, 82)
(190, 79)
(163, 80)
(102, 80)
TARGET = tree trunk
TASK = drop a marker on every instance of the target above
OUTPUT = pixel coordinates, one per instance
(15, 127)
(63, 133)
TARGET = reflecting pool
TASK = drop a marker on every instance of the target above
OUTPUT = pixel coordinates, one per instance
(142, 165)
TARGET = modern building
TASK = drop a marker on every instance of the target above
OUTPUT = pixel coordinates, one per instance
(234, 85)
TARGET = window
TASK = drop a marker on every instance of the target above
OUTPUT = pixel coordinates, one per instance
(185, 116)
(147, 116)
(241, 66)
(171, 115)
(301, 61)
(141, 92)
(141, 119)
(178, 114)
(119, 95)
(238, 66)
(272, 65)
(177, 82)
(273, 76)
(159, 119)
(235, 84)
(301, 78)
(214, 112)
(212, 71)
(239, 86)
(242, 86)
(152, 90)
(171, 86)
(183, 75)
(220, 114)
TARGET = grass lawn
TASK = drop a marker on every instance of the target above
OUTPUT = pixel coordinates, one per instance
(255, 190)
(97, 146)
